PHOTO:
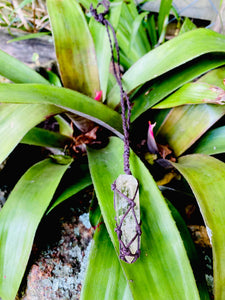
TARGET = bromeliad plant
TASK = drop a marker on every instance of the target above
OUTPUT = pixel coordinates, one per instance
(159, 84)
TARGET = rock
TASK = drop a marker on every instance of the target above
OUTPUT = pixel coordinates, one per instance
(58, 263)
(25, 50)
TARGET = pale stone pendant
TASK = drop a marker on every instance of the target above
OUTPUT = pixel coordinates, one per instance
(127, 207)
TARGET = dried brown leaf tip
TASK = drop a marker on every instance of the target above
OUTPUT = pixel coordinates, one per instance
(164, 150)
(88, 138)
(220, 96)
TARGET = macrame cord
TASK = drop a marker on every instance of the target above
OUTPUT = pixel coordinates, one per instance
(129, 249)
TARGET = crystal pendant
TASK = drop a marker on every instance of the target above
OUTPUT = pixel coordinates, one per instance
(127, 207)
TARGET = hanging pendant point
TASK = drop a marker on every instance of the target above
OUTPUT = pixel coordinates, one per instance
(127, 207)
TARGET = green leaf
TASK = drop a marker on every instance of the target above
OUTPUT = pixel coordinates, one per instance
(163, 59)
(141, 43)
(185, 124)
(128, 21)
(215, 77)
(164, 10)
(86, 3)
(81, 184)
(206, 176)
(103, 53)
(151, 27)
(187, 26)
(17, 71)
(208, 89)
(29, 36)
(61, 159)
(102, 283)
(135, 26)
(16, 120)
(164, 85)
(53, 78)
(163, 257)
(176, 15)
(212, 142)
(46, 138)
(109, 281)
(74, 47)
(64, 126)
(19, 219)
(94, 212)
(194, 93)
(191, 252)
(64, 98)
(189, 123)
(102, 46)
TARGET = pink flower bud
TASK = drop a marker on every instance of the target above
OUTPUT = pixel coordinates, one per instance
(151, 143)
(98, 95)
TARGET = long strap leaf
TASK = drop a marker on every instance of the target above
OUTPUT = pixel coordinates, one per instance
(46, 138)
(19, 219)
(18, 72)
(194, 93)
(161, 87)
(208, 89)
(74, 46)
(66, 99)
(104, 284)
(163, 258)
(213, 142)
(185, 124)
(16, 120)
(206, 176)
(168, 56)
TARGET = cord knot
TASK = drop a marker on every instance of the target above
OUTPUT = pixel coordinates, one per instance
(100, 17)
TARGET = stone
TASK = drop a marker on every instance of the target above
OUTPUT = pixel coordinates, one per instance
(127, 185)
(24, 50)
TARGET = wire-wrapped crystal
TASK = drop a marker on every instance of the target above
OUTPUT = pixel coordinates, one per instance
(127, 207)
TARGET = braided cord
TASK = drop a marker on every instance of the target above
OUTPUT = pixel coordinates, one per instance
(125, 249)
(124, 99)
